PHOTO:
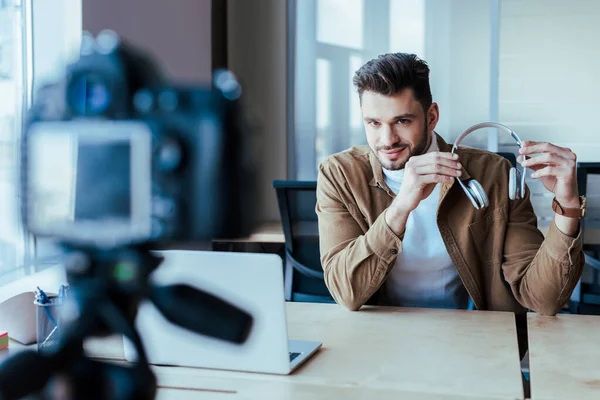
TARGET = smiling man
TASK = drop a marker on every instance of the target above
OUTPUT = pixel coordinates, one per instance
(396, 228)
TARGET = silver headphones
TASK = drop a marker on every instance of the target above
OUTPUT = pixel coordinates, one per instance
(473, 189)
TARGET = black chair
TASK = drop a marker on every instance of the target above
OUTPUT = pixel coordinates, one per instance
(510, 157)
(303, 273)
(586, 296)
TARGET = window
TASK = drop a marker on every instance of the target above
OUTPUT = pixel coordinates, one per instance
(37, 39)
(13, 86)
(330, 31)
(334, 38)
(529, 64)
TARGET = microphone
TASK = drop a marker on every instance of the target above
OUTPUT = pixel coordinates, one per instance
(202, 312)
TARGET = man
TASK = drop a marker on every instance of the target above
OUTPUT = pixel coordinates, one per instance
(396, 228)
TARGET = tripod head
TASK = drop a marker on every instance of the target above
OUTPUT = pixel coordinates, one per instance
(106, 290)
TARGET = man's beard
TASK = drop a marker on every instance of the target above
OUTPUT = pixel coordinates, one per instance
(419, 149)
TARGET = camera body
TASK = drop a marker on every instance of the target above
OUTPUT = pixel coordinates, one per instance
(116, 163)
(112, 155)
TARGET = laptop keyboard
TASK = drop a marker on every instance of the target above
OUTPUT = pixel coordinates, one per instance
(294, 355)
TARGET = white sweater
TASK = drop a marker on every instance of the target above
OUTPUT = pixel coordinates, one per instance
(423, 274)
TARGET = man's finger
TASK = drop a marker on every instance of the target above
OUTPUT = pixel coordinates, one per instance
(536, 147)
(552, 170)
(437, 169)
(547, 159)
(434, 178)
(443, 158)
(522, 158)
(531, 147)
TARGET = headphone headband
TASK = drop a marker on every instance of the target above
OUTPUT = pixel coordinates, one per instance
(489, 124)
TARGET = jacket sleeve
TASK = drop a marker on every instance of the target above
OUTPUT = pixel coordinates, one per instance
(355, 262)
(542, 272)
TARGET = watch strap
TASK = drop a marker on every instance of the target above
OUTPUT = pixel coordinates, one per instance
(578, 212)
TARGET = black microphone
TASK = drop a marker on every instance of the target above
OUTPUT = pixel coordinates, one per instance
(26, 372)
(97, 380)
(202, 312)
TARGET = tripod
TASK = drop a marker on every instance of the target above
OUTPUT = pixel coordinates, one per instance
(106, 288)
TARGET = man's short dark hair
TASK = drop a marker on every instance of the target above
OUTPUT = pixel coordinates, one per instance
(390, 73)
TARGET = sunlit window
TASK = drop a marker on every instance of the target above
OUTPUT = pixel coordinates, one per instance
(335, 38)
(323, 110)
(340, 22)
(407, 26)
(35, 46)
(12, 84)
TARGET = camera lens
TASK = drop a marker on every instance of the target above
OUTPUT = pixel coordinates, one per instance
(88, 95)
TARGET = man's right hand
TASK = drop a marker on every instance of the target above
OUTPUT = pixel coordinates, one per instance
(421, 174)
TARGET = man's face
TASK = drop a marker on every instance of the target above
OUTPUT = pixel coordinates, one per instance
(397, 127)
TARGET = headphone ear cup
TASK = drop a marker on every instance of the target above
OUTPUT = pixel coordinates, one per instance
(519, 193)
(478, 193)
(512, 184)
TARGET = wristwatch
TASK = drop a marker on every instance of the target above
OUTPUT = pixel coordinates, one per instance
(570, 212)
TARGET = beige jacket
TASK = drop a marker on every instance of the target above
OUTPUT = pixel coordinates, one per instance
(504, 261)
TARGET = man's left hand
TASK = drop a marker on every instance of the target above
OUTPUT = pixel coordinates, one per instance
(556, 167)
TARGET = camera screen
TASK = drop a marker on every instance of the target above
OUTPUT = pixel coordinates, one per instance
(102, 182)
(90, 181)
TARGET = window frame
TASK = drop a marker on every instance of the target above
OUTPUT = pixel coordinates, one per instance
(301, 60)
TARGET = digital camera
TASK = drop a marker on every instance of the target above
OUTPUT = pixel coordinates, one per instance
(113, 155)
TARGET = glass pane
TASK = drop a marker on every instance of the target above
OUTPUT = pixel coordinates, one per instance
(458, 53)
(323, 101)
(356, 62)
(407, 26)
(323, 91)
(11, 89)
(340, 22)
(357, 131)
(454, 39)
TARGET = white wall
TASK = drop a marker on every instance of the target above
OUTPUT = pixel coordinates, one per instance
(549, 69)
(549, 81)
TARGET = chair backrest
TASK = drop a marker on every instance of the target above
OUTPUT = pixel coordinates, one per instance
(585, 298)
(303, 272)
(510, 157)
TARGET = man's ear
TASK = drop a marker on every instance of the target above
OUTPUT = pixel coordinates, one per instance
(433, 116)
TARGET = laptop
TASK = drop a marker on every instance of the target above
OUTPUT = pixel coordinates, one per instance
(251, 281)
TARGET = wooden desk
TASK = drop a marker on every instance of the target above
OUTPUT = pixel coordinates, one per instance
(272, 391)
(377, 352)
(564, 356)
(269, 232)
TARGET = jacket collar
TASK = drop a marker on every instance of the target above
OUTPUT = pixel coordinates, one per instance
(379, 181)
